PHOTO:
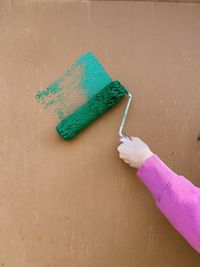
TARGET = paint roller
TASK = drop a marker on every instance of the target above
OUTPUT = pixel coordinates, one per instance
(82, 117)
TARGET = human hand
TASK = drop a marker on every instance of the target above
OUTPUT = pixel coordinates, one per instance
(134, 151)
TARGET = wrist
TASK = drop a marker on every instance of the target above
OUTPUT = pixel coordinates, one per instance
(147, 155)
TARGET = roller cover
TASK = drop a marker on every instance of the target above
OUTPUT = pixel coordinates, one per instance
(72, 125)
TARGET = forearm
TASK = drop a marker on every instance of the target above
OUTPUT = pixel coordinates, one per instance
(175, 196)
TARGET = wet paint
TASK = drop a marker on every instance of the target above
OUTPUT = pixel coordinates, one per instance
(94, 77)
(84, 79)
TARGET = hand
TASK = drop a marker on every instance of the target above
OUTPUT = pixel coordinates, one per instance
(134, 152)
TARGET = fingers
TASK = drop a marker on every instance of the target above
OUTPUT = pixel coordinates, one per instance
(121, 156)
(125, 139)
(124, 159)
(119, 148)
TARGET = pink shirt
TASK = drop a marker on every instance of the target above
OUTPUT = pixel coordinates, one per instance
(176, 197)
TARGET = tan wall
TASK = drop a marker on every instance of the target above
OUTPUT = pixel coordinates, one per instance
(76, 204)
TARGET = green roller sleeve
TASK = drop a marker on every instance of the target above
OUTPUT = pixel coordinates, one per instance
(72, 125)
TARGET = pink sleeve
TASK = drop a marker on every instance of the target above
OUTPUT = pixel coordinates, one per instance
(176, 197)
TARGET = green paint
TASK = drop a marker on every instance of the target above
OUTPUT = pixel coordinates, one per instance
(94, 77)
(94, 108)
(86, 76)
(60, 113)
(53, 89)
(52, 96)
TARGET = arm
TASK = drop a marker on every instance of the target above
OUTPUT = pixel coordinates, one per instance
(176, 197)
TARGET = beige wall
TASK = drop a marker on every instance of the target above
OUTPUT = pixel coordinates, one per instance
(76, 204)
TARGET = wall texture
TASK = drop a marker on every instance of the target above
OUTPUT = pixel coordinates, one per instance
(76, 204)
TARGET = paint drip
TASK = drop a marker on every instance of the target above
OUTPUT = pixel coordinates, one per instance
(84, 79)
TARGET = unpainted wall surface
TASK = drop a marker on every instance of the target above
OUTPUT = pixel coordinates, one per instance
(76, 204)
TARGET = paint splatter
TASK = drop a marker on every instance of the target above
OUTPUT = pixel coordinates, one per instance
(85, 78)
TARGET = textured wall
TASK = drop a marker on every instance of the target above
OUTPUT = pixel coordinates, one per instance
(76, 204)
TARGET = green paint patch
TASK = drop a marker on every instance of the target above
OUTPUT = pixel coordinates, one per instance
(53, 89)
(94, 77)
(84, 79)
